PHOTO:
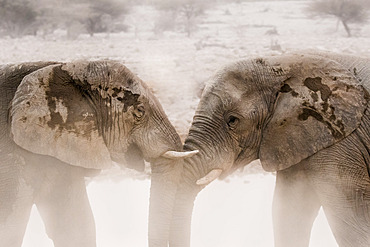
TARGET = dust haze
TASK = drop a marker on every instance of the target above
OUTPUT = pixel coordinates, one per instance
(174, 46)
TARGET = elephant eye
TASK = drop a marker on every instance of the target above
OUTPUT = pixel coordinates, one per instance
(232, 121)
(139, 112)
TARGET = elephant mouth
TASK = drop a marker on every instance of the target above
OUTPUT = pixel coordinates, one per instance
(133, 158)
(243, 159)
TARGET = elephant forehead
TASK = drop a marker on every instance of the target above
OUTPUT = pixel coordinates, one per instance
(110, 76)
(112, 81)
(222, 93)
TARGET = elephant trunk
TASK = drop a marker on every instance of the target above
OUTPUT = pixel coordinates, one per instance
(172, 202)
(163, 190)
(181, 220)
(183, 206)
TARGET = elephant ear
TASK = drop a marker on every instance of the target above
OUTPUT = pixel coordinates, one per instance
(51, 115)
(318, 105)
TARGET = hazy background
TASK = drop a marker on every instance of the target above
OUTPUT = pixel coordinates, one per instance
(175, 45)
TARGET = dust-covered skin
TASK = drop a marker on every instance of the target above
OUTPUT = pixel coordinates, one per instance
(61, 122)
(305, 116)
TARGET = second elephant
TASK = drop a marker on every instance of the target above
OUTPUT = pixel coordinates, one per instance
(303, 115)
(61, 122)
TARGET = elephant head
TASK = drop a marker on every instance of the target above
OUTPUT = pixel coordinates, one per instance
(280, 110)
(89, 114)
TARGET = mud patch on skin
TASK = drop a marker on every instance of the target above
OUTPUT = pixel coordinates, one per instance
(315, 84)
(129, 99)
(260, 61)
(130, 82)
(63, 90)
(314, 96)
(55, 92)
(309, 111)
(277, 70)
(355, 71)
(326, 113)
(116, 91)
(286, 89)
(325, 107)
(122, 94)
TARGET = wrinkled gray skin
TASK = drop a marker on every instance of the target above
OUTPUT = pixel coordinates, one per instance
(62, 122)
(304, 116)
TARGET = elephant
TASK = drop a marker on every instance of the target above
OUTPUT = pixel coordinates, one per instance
(306, 116)
(62, 122)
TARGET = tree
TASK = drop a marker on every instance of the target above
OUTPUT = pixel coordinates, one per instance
(347, 11)
(62, 14)
(185, 12)
(190, 12)
(102, 13)
(17, 17)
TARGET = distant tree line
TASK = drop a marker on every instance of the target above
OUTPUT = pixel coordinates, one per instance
(28, 17)
(24, 17)
(31, 17)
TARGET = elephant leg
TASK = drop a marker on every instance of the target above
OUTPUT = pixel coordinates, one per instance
(65, 208)
(295, 207)
(350, 225)
(343, 185)
(16, 200)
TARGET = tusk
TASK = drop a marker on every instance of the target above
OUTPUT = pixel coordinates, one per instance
(179, 155)
(212, 175)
